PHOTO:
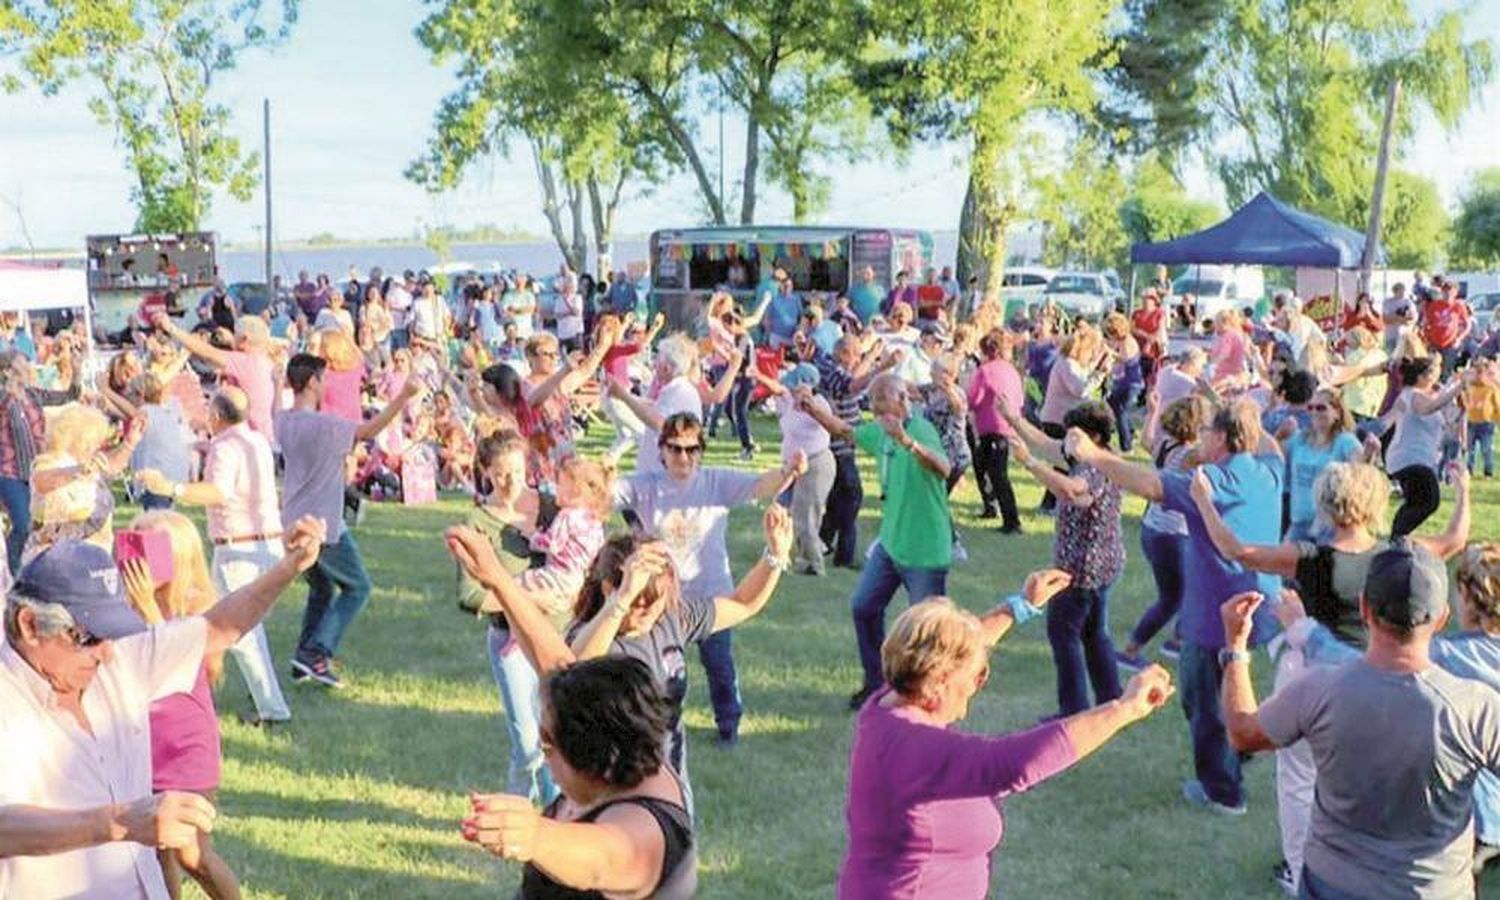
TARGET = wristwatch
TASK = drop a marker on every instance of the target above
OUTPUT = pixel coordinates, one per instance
(1229, 655)
(779, 563)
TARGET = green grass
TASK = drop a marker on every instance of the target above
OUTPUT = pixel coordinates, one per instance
(360, 796)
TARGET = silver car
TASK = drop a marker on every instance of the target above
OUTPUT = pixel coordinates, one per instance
(1088, 295)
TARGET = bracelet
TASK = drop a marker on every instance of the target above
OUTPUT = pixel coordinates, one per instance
(777, 563)
(177, 491)
(1020, 610)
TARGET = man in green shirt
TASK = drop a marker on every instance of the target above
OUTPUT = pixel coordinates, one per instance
(915, 543)
(866, 295)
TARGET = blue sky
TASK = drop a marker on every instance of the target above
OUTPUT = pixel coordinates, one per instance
(352, 97)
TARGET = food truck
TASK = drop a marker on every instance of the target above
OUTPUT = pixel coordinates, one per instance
(126, 269)
(687, 264)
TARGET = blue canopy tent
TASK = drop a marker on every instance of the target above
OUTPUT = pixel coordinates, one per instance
(1264, 232)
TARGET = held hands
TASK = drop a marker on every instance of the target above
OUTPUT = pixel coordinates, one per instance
(777, 523)
(504, 824)
(304, 540)
(1148, 691)
(1080, 446)
(795, 467)
(1238, 613)
(1044, 584)
(1019, 450)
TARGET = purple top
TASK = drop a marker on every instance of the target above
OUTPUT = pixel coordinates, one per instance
(185, 740)
(922, 816)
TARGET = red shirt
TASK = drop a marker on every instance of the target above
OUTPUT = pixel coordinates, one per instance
(1443, 321)
(1368, 320)
(930, 298)
(1149, 321)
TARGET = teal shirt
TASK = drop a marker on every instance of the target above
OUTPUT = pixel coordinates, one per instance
(864, 299)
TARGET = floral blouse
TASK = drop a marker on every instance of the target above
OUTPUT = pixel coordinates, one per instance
(1088, 544)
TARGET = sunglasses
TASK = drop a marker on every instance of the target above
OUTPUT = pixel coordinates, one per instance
(683, 449)
(82, 639)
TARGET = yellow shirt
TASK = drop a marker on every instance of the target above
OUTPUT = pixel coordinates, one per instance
(1483, 401)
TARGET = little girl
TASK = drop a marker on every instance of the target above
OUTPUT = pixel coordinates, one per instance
(585, 495)
(185, 741)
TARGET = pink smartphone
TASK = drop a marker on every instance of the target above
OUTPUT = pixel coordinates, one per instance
(152, 546)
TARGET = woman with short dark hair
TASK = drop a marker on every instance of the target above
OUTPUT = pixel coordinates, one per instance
(621, 827)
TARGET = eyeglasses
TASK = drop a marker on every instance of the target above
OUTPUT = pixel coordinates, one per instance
(82, 639)
(683, 449)
(545, 354)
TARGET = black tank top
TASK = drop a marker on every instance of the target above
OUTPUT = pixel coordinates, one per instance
(679, 861)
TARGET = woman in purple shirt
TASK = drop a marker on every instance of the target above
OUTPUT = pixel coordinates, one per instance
(922, 815)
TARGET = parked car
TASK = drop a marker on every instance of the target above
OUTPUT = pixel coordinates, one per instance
(1217, 288)
(1021, 288)
(1484, 306)
(1088, 295)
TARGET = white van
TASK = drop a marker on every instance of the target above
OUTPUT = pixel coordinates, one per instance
(1218, 288)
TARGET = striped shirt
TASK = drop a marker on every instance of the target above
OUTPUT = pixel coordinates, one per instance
(836, 384)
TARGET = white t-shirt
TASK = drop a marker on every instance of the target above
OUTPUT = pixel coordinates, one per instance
(398, 301)
(520, 308)
(679, 395)
(51, 762)
(427, 317)
(569, 317)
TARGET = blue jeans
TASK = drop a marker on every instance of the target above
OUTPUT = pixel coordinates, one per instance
(339, 568)
(1165, 553)
(1215, 762)
(1121, 394)
(528, 775)
(877, 585)
(739, 409)
(716, 652)
(1482, 442)
(15, 494)
(1082, 653)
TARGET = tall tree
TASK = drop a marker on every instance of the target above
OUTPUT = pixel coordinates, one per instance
(1078, 204)
(1476, 228)
(152, 64)
(585, 140)
(977, 70)
(1416, 224)
(1158, 208)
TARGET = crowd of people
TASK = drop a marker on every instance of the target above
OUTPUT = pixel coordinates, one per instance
(1267, 455)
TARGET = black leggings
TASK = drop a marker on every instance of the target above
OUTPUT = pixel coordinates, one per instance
(1419, 498)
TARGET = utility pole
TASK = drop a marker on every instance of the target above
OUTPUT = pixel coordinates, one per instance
(266, 155)
(1377, 197)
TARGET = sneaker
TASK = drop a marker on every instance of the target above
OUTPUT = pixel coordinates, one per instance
(1010, 529)
(747, 453)
(810, 569)
(989, 514)
(1132, 661)
(254, 720)
(1192, 789)
(1171, 649)
(959, 553)
(858, 698)
(316, 670)
(727, 739)
(1281, 873)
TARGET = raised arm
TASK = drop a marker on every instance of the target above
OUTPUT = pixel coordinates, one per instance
(774, 481)
(621, 853)
(755, 589)
(193, 343)
(644, 565)
(1237, 692)
(1071, 489)
(1048, 448)
(1426, 404)
(1143, 481)
(644, 409)
(1040, 587)
(371, 427)
(720, 391)
(1148, 691)
(823, 415)
(1279, 559)
(539, 641)
(242, 610)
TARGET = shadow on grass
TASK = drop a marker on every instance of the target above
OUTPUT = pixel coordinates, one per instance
(267, 871)
(237, 802)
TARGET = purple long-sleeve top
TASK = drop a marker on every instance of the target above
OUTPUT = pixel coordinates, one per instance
(922, 812)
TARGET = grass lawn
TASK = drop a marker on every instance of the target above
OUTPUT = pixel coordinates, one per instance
(360, 796)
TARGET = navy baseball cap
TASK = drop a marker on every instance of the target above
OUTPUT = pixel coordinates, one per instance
(1407, 585)
(82, 578)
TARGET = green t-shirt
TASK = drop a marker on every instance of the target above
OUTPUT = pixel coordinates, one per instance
(916, 528)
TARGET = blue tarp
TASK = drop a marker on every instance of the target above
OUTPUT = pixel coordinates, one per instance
(1264, 232)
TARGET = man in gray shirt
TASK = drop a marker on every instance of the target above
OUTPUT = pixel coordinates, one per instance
(1397, 741)
(314, 445)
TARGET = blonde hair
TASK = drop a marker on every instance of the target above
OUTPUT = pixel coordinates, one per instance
(1184, 416)
(1115, 326)
(191, 590)
(252, 330)
(539, 340)
(78, 430)
(595, 483)
(927, 641)
(1410, 346)
(1478, 578)
(337, 347)
(1350, 494)
(1228, 319)
(1082, 344)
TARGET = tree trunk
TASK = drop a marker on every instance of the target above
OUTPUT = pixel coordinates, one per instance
(550, 208)
(985, 227)
(689, 148)
(970, 259)
(752, 165)
(579, 259)
(603, 209)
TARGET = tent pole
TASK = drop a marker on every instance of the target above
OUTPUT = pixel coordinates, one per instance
(1130, 300)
